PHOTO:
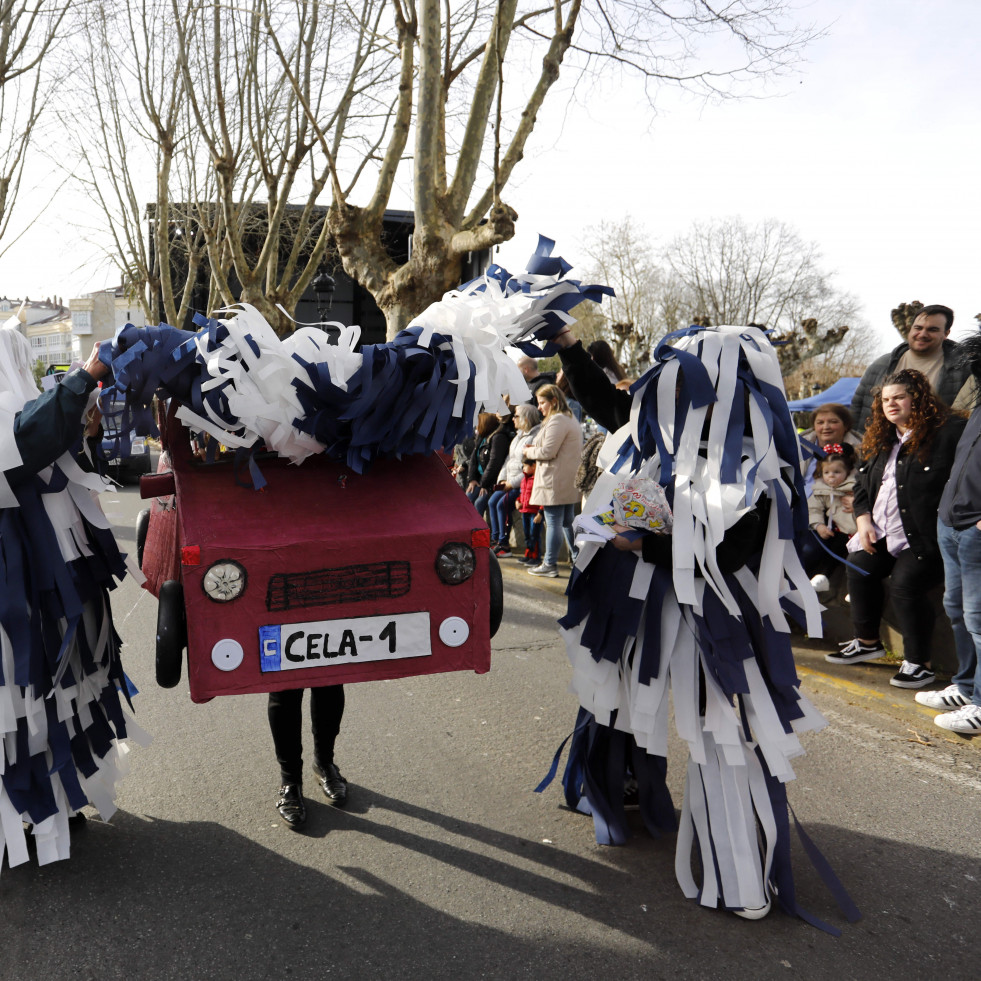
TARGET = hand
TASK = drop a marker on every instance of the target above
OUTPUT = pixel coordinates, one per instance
(848, 503)
(866, 533)
(624, 544)
(564, 338)
(979, 526)
(824, 531)
(537, 520)
(92, 421)
(94, 366)
(473, 485)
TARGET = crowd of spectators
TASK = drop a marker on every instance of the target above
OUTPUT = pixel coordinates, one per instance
(915, 503)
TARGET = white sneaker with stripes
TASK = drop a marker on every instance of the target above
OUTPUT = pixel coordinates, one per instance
(966, 720)
(948, 698)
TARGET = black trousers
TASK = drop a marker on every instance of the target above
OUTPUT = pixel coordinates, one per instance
(910, 579)
(286, 723)
(814, 558)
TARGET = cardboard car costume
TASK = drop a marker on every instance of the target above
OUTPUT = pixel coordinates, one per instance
(326, 577)
(366, 562)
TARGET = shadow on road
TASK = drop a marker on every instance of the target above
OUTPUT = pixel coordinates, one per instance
(153, 899)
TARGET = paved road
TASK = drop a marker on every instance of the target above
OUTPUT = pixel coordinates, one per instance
(445, 865)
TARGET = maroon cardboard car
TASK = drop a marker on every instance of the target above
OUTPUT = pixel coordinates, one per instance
(323, 577)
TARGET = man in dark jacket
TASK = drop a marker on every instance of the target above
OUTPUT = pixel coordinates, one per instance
(529, 368)
(926, 349)
(959, 538)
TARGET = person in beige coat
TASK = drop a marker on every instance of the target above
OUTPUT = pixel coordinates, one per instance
(557, 450)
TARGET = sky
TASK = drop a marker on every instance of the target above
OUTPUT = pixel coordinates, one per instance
(871, 150)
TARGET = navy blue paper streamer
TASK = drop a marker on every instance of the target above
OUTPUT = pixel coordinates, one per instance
(39, 592)
(399, 402)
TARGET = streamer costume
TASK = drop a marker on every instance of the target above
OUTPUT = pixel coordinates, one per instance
(700, 615)
(61, 717)
(237, 381)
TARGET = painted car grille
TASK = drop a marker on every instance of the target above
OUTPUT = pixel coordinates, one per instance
(347, 584)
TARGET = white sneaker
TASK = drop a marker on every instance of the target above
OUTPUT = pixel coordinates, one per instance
(754, 914)
(949, 698)
(966, 720)
(821, 583)
(549, 571)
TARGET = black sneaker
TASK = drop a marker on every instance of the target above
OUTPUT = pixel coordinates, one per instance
(854, 652)
(912, 676)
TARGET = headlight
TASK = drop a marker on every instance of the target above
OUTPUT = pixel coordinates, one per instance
(224, 581)
(455, 563)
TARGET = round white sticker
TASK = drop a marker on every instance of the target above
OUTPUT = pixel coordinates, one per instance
(454, 631)
(227, 654)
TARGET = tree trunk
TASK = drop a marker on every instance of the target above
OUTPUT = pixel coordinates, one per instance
(420, 282)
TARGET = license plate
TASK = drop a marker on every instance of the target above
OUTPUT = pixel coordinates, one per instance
(320, 643)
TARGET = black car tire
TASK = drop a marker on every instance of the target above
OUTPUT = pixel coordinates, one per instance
(171, 633)
(142, 524)
(496, 593)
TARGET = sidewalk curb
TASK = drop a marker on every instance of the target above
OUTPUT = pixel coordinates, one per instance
(866, 684)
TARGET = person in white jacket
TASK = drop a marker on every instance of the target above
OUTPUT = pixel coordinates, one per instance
(500, 504)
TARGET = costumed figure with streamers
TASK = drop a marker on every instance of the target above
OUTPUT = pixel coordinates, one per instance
(61, 680)
(686, 573)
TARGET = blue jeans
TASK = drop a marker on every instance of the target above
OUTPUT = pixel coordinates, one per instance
(499, 506)
(961, 551)
(532, 533)
(478, 498)
(558, 521)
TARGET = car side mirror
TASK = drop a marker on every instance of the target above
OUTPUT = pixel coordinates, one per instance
(157, 484)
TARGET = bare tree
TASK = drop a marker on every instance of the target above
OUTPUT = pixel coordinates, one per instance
(29, 30)
(305, 118)
(903, 315)
(471, 129)
(727, 272)
(128, 128)
(763, 274)
(650, 301)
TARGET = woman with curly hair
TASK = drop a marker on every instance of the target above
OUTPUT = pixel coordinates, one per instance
(908, 452)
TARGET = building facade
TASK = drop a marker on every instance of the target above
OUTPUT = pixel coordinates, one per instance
(95, 317)
(47, 326)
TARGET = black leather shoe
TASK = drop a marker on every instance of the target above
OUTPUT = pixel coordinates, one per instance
(335, 786)
(291, 807)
